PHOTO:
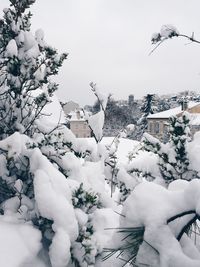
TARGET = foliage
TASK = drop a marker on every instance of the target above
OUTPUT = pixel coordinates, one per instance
(27, 63)
(148, 107)
(88, 202)
(173, 157)
(132, 238)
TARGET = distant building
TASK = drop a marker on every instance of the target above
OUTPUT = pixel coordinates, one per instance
(78, 124)
(131, 100)
(121, 103)
(158, 123)
(70, 106)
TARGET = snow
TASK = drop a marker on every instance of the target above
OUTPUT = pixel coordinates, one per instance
(81, 216)
(100, 97)
(44, 170)
(52, 114)
(96, 123)
(154, 205)
(20, 243)
(53, 199)
(126, 178)
(171, 112)
(146, 162)
(125, 146)
(130, 127)
(15, 144)
(18, 185)
(104, 222)
(11, 49)
(156, 37)
(77, 115)
(168, 31)
(39, 36)
(20, 38)
(60, 249)
(54, 109)
(193, 151)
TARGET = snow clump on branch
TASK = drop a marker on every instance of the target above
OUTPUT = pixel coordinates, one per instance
(167, 31)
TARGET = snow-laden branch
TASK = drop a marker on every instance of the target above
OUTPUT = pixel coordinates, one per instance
(169, 32)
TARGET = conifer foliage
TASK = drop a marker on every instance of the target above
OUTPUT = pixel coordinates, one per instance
(148, 107)
(26, 63)
(173, 156)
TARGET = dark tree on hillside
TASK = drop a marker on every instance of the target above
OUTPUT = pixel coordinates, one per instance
(148, 106)
(116, 117)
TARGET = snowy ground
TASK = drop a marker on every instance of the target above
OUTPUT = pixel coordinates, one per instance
(125, 146)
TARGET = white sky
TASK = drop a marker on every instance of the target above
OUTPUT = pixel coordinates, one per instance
(108, 42)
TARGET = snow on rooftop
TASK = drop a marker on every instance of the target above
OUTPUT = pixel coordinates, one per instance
(77, 115)
(171, 112)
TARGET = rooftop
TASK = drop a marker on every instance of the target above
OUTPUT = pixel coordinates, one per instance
(171, 112)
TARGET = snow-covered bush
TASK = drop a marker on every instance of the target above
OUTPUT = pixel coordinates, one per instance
(85, 247)
(154, 226)
(158, 219)
(173, 157)
(42, 164)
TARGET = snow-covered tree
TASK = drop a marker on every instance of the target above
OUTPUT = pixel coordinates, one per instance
(148, 107)
(27, 64)
(154, 213)
(155, 225)
(47, 177)
(173, 157)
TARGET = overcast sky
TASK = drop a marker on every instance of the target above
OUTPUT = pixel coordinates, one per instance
(108, 42)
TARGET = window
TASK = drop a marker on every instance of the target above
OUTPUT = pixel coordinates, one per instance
(156, 127)
(150, 127)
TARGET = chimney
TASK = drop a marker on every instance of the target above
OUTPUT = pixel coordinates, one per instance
(184, 104)
(78, 114)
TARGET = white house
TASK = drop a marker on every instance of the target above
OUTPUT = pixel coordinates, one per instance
(78, 124)
(158, 122)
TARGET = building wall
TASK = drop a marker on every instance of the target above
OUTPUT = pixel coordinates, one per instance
(80, 129)
(195, 109)
(158, 128)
